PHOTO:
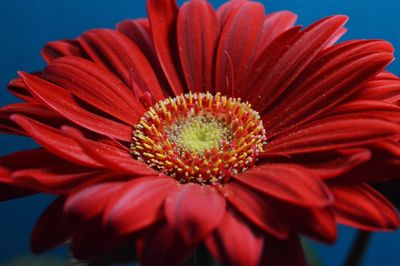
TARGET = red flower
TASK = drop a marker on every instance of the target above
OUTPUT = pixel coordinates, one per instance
(144, 138)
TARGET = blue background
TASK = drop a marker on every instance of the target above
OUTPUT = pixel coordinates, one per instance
(25, 26)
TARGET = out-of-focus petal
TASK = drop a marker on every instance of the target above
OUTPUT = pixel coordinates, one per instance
(18, 88)
(162, 245)
(275, 24)
(194, 211)
(255, 207)
(241, 248)
(283, 253)
(39, 170)
(139, 203)
(57, 49)
(289, 183)
(86, 244)
(316, 223)
(51, 229)
(33, 110)
(89, 203)
(361, 206)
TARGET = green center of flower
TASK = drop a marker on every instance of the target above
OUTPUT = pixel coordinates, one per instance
(199, 133)
(199, 137)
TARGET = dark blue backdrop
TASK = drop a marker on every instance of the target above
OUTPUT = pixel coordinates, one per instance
(25, 26)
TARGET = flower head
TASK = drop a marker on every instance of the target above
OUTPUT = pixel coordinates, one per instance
(229, 128)
(199, 138)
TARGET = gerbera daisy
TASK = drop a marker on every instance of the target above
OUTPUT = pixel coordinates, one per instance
(230, 129)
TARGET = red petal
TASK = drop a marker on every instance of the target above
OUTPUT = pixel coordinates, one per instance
(228, 9)
(110, 156)
(256, 208)
(138, 30)
(198, 31)
(33, 110)
(96, 86)
(234, 242)
(384, 87)
(316, 223)
(56, 179)
(161, 245)
(36, 111)
(54, 50)
(390, 147)
(332, 133)
(274, 24)
(119, 54)
(377, 169)
(64, 103)
(55, 141)
(333, 76)
(138, 204)
(50, 230)
(373, 108)
(274, 70)
(339, 164)
(194, 211)
(361, 206)
(336, 37)
(36, 158)
(18, 88)
(90, 202)
(29, 159)
(283, 253)
(237, 47)
(163, 15)
(289, 183)
(40, 170)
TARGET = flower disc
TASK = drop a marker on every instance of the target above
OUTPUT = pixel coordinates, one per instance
(199, 137)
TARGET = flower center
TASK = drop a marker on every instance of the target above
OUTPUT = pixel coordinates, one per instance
(199, 133)
(199, 137)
